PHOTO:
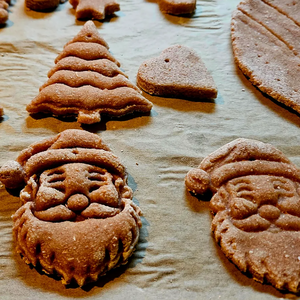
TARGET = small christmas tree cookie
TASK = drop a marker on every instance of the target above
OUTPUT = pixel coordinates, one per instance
(87, 81)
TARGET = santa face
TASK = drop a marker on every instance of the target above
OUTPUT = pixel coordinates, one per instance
(77, 191)
(78, 221)
(263, 202)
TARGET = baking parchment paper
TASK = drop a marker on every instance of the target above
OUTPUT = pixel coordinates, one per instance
(176, 257)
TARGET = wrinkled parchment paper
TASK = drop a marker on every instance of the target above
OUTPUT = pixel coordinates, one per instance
(176, 257)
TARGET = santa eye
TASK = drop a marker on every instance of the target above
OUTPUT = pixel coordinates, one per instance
(244, 190)
(247, 195)
(56, 178)
(94, 187)
(278, 185)
(59, 187)
(283, 188)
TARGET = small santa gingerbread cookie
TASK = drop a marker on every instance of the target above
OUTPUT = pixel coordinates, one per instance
(256, 208)
(77, 219)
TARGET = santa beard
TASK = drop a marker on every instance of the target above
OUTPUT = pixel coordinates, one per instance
(271, 257)
(77, 251)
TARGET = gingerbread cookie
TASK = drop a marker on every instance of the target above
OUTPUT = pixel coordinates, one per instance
(256, 208)
(265, 37)
(42, 5)
(177, 72)
(94, 9)
(87, 81)
(177, 7)
(1, 111)
(78, 219)
(4, 11)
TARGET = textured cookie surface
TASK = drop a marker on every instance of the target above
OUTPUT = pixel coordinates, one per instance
(94, 9)
(78, 219)
(177, 72)
(87, 81)
(265, 37)
(177, 7)
(255, 203)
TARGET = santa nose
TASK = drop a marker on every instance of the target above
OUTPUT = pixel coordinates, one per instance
(77, 202)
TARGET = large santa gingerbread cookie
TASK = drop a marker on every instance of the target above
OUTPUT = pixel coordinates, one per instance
(256, 208)
(77, 217)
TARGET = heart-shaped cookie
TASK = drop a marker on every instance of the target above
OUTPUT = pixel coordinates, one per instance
(177, 72)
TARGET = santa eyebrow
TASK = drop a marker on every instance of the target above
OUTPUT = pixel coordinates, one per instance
(96, 176)
(243, 186)
(248, 195)
(244, 190)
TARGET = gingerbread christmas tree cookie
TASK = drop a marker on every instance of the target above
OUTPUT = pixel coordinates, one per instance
(87, 81)
(256, 208)
(77, 218)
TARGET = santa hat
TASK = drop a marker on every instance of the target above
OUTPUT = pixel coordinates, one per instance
(70, 146)
(238, 158)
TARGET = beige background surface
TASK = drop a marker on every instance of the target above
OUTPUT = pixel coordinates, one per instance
(177, 257)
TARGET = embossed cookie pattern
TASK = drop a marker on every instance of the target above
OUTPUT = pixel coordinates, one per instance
(87, 81)
(77, 217)
(256, 208)
(265, 37)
